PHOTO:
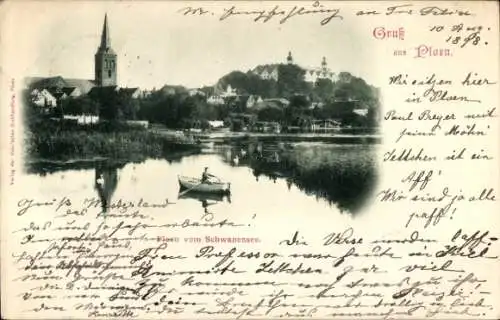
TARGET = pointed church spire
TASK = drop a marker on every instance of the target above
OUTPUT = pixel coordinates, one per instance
(105, 41)
(105, 59)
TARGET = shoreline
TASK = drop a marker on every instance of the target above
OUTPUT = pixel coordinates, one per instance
(167, 135)
(212, 135)
(217, 135)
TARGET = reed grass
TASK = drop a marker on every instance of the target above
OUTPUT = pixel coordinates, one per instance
(115, 141)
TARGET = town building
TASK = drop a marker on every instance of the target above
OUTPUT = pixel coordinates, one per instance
(267, 71)
(220, 98)
(253, 101)
(323, 72)
(71, 87)
(196, 92)
(132, 93)
(43, 99)
(215, 100)
(270, 71)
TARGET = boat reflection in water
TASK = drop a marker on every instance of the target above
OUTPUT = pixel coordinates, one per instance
(206, 199)
(105, 183)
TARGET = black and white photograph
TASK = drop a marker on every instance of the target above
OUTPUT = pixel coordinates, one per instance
(229, 123)
(249, 160)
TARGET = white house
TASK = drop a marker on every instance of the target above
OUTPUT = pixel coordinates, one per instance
(267, 72)
(230, 92)
(43, 98)
(215, 100)
(82, 119)
(253, 101)
(196, 92)
(216, 124)
(362, 112)
(323, 72)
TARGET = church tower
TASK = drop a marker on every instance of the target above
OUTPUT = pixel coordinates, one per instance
(105, 59)
(289, 59)
(324, 66)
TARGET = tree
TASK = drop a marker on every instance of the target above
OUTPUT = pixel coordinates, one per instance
(291, 80)
(345, 76)
(249, 83)
(129, 107)
(323, 89)
(109, 101)
(299, 102)
(235, 79)
(270, 114)
(340, 110)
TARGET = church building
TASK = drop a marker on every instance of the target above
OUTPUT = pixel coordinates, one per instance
(105, 75)
(105, 59)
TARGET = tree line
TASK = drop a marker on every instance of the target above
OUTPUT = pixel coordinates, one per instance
(324, 99)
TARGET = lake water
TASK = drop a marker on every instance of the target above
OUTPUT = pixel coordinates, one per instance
(271, 176)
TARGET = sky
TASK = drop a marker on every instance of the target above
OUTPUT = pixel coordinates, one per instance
(157, 45)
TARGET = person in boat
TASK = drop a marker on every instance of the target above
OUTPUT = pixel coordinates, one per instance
(205, 176)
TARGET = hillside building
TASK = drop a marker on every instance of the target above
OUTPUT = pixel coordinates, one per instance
(270, 71)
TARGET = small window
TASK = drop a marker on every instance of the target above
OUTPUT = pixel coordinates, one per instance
(109, 73)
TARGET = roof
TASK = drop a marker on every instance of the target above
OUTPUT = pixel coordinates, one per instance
(69, 90)
(58, 95)
(61, 92)
(97, 91)
(39, 82)
(283, 101)
(83, 84)
(59, 82)
(129, 91)
(105, 46)
(269, 104)
(266, 123)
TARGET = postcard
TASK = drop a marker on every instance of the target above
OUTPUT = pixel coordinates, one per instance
(250, 160)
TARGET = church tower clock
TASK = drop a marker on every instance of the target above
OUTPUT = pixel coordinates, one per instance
(105, 59)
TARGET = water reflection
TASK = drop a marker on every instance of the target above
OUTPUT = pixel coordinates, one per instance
(338, 175)
(206, 199)
(105, 183)
(342, 174)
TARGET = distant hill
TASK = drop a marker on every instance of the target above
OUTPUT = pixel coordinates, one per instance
(286, 81)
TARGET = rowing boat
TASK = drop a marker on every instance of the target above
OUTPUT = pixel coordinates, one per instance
(195, 184)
